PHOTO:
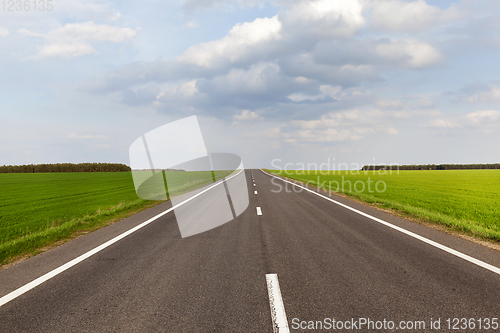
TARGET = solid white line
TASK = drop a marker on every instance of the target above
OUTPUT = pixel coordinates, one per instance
(278, 315)
(255, 192)
(478, 262)
(27, 287)
(259, 211)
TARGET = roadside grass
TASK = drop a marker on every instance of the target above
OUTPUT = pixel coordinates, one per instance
(35, 243)
(41, 210)
(465, 201)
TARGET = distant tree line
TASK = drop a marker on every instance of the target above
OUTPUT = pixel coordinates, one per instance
(65, 167)
(432, 167)
(158, 170)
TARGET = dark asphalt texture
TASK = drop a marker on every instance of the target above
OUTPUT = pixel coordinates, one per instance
(331, 262)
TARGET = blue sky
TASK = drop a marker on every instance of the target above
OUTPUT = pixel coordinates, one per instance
(345, 81)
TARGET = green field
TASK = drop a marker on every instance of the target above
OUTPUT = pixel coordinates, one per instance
(38, 209)
(463, 200)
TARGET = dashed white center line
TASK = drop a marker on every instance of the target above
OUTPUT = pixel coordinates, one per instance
(255, 192)
(278, 315)
(259, 211)
(253, 184)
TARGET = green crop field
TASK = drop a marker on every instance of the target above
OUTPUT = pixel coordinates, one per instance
(38, 209)
(463, 200)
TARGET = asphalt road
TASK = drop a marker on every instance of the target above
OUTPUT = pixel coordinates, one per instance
(331, 263)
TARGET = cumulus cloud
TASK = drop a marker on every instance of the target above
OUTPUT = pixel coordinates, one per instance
(243, 41)
(89, 10)
(3, 32)
(143, 96)
(312, 40)
(178, 98)
(86, 136)
(262, 84)
(328, 135)
(396, 15)
(245, 116)
(483, 117)
(342, 126)
(483, 120)
(305, 65)
(311, 53)
(136, 73)
(326, 93)
(185, 90)
(383, 53)
(441, 123)
(73, 39)
(194, 5)
(323, 19)
(410, 53)
(192, 24)
(490, 95)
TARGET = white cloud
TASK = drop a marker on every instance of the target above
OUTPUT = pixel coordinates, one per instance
(261, 83)
(192, 24)
(322, 19)
(26, 32)
(245, 116)
(178, 95)
(194, 5)
(89, 10)
(304, 22)
(325, 90)
(74, 49)
(441, 123)
(308, 40)
(396, 15)
(328, 135)
(381, 53)
(188, 89)
(86, 136)
(483, 120)
(73, 39)
(114, 16)
(241, 40)
(483, 117)
(143, 96)
(305, 65)
(492, 95)
(410, 53)
(3, 32)
(348, 125)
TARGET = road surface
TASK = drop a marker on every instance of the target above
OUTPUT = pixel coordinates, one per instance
(331, 262)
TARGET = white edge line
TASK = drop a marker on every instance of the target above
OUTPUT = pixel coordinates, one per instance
(259, 211)
(27, 287)
(278, 315)
(478, 262)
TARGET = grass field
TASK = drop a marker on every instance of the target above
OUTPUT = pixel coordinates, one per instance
(38, 209)
(463, 200)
